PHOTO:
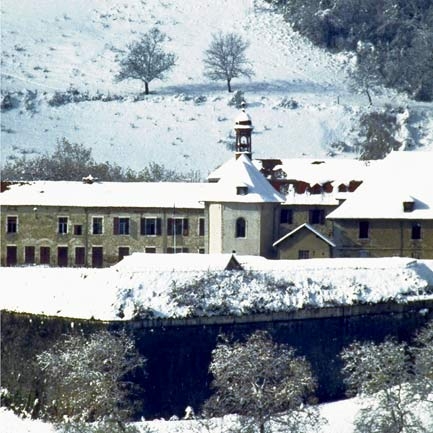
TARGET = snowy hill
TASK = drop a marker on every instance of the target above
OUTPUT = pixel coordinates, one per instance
(52, 46)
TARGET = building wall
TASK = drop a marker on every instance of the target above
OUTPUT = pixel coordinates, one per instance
(259, 230)
(39, 227)
(386, 238)
(304, 244)
(301, 215)
(215, 224)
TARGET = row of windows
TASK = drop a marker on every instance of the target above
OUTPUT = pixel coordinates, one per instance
(79, 257)
(315, 216)
(121, 226)
(364, 230)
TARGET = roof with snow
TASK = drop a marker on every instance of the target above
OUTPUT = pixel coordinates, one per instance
(241, 172)
(105, 194)
(139, 262)
(304, 226)
(401, 177)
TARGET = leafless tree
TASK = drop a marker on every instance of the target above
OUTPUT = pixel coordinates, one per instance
(146, 60)
(264, 383)
(225, 58)
(84, 377)
(381, 375)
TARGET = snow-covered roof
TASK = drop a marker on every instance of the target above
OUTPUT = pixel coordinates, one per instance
(307, 227)
(243, 173)
(106, 194)
(390, 183)
(322, 170)
(243, 117)
(139, 262)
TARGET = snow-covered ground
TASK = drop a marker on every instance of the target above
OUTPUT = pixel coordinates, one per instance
(52, 45)
(265, 286)
(338, 417)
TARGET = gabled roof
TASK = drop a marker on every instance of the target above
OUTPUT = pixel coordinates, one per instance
(183, 262)
(304, 226)
(244, 174)
(390, 183)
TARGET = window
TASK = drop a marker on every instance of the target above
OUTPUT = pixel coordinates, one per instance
(241, 228)
(177, 250)
(150, 226)
(11, 255)
(317, 216)
(29, 255)
(150, 250)
(62, 225)
(121, 226)
(78, 229)
(201, 226)
(80, 256)
(286, 216)
(12, 224)
(177, 226)
(97, 257)
(241, 190)
(123, 251)
(364, 228)
(416, 231)
(97, 225)
(303, 254)
(62, 256)
(44, 255)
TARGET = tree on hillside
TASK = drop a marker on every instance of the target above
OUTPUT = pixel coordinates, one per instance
(225, 58)
(84, 378)
(382, 376)
(146, 60)
(74, 161)
(262, 382)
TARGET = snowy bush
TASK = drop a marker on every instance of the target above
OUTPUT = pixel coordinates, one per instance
(237, 100)
(9, 101)
(287, 102)
(83, 378)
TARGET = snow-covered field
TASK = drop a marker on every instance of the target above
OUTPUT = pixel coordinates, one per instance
(265, 286)
(338, 418)
(186, 124)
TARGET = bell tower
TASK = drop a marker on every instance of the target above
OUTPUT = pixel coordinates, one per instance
(243, 128)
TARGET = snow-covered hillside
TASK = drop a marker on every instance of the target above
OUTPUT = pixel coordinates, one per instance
(53, 45)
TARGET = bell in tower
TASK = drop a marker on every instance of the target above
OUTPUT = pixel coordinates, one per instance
(243, 129)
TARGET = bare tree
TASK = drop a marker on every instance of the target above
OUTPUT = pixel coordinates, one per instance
(146, 60)
(225, 58)
(84, 377)
(382, 376)
(264, 383)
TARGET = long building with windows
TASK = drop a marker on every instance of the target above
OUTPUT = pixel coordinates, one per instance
(279, 209)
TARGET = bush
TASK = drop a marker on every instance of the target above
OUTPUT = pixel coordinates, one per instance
(84, 378)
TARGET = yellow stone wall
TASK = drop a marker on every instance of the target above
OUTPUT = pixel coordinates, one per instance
(38, 227)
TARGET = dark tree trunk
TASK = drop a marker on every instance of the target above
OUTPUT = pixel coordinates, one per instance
(146, 88)
(229, 87)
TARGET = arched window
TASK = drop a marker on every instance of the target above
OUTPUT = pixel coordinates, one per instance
(241, 228)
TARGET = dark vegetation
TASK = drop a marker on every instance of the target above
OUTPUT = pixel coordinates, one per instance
(73, 162)
(392, 39)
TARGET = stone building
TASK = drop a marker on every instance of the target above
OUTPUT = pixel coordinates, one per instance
(288, 209)
(391, 214)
